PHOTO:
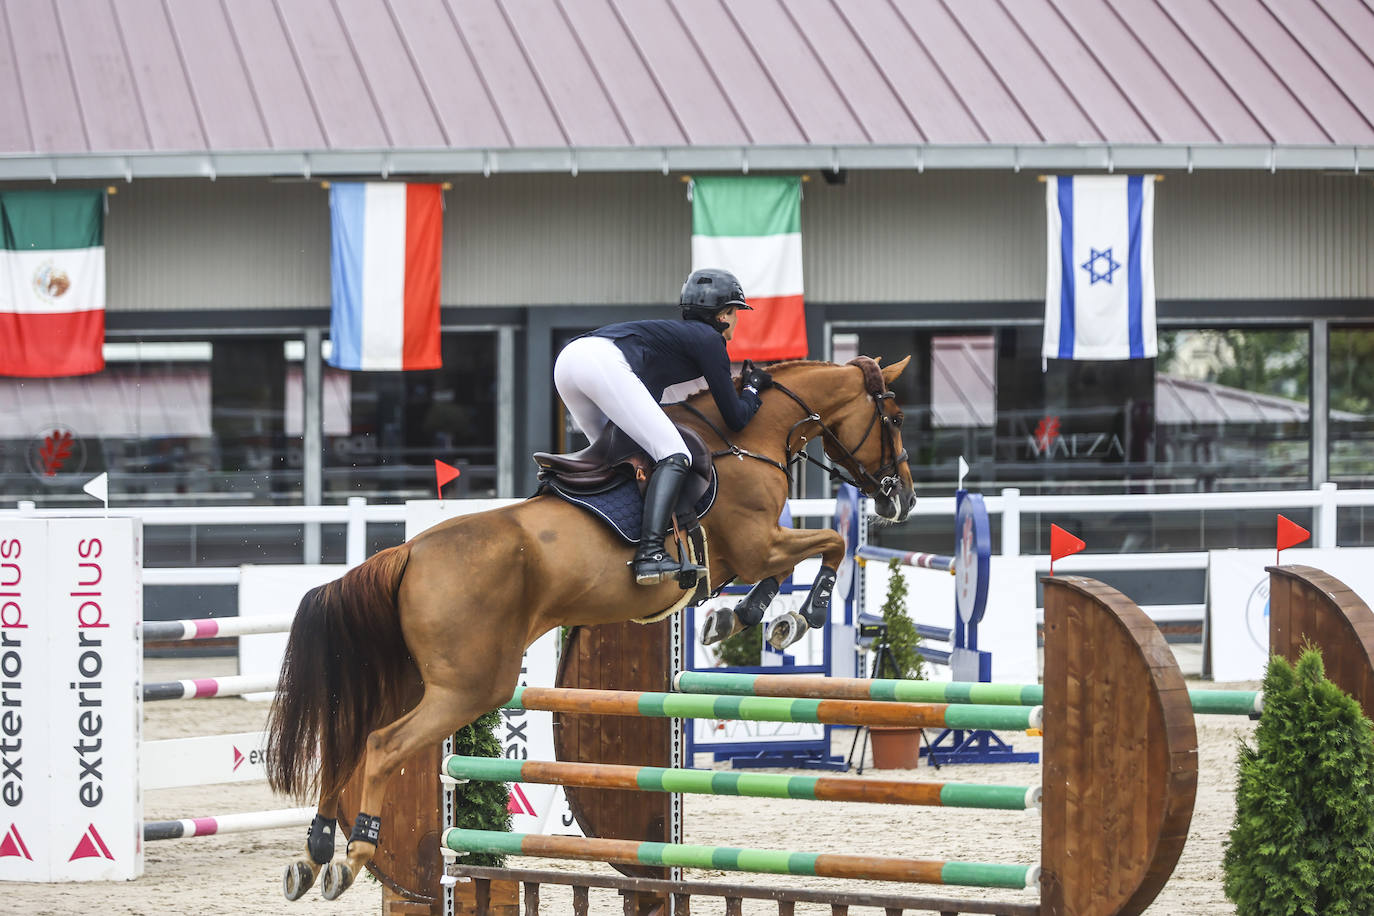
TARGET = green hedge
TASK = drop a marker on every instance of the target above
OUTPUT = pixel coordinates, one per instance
(481, 805)
(1303, 839)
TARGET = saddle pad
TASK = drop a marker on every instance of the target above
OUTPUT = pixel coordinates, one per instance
(622, 506)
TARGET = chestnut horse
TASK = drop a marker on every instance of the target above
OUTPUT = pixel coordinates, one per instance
(454, 608)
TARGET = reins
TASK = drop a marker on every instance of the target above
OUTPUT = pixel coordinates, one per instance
(886, 479)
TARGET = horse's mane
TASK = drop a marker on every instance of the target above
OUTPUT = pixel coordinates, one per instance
(783, 366)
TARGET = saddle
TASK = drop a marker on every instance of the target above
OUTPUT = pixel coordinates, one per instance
(615, 458)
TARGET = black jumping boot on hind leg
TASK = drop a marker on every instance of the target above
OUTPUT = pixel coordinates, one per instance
(652, 564)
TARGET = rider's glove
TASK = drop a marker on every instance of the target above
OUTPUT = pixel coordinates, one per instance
(755, 378)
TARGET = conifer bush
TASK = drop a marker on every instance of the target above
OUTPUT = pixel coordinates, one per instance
(902, 639)
(481, 805)
(1303, 839)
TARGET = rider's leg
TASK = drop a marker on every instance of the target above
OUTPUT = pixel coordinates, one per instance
(598, 372)
(652, 563)
(576, 370)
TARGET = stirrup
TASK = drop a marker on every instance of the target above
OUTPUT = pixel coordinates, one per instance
(662, 567)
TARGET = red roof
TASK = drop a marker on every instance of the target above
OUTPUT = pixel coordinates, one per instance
(140, 87)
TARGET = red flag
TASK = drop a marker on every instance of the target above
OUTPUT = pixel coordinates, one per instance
(443, 473)
(1286, 534)
(1063, 544)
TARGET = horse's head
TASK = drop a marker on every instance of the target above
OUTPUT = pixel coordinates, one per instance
(861, 427)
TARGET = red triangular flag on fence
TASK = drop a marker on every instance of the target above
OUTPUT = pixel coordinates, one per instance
(1063, 544)
(443, 473)
(1287, 534)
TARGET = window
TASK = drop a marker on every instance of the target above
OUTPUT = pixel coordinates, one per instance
(171, 421)
(383, 430)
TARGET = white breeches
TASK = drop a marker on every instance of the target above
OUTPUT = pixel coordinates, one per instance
(598, 386)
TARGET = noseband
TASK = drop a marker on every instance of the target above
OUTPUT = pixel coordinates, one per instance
(886, 480)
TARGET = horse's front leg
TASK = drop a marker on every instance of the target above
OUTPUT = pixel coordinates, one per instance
(300, 875)
(724, 622)
(787, 547)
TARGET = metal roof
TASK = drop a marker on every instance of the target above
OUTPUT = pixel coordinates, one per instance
(126, 88)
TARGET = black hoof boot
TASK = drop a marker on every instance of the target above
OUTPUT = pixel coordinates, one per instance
(816, 608)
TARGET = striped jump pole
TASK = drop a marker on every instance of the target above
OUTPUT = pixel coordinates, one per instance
(458, 841)
(1213, 702)
(906, 558)
(734, 782)
(233, 686)
(227, 823)
(775, 709)
(214, 627)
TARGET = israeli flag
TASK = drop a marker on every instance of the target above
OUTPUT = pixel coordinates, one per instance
(1100, 291)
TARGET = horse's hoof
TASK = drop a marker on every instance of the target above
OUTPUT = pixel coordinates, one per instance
(298, 878)
(785, 630)
(337, 878)
(720, 624)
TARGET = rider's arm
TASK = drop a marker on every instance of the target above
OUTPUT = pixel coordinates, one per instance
(735, 408)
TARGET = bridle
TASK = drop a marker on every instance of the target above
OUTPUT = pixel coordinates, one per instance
(885, 480)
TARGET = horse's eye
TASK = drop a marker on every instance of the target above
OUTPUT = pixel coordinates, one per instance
(896, 421)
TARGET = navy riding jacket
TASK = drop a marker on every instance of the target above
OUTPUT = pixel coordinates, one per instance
(664, 353)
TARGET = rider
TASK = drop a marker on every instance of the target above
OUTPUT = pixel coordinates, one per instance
(619, 374)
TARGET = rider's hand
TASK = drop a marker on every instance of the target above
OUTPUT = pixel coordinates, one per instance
(753, 377)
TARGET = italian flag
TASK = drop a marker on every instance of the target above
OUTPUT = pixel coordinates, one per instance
(752, 228)
(52, 282)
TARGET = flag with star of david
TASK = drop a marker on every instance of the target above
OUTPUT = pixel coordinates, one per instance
(1100, 291)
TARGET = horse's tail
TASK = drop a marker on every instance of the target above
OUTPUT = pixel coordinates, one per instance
(346, 670)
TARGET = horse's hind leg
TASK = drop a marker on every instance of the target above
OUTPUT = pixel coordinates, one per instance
(319, 849)
(439, 714)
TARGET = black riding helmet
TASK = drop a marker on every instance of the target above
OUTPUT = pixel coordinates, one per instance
(707, 292)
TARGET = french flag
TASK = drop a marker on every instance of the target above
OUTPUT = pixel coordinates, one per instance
(385, 253)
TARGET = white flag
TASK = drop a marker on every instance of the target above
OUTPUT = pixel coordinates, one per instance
(1100, 289)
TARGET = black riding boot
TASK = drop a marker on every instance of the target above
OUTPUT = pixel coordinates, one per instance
(652, 563)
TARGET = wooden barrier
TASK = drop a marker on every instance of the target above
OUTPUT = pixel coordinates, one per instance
(1110, 667)
(1308, 606)
(1111, 689)
(1120, 754)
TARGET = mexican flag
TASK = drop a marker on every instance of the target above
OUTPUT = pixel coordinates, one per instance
(752, 228)
(52, 282)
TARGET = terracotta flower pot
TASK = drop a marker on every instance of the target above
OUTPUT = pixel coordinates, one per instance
(895, 748)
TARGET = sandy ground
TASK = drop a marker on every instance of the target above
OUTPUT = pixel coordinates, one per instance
(240, 873)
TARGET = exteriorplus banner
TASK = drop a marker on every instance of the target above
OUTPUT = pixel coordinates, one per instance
(94, 589)
(25, 726)
(71, 665)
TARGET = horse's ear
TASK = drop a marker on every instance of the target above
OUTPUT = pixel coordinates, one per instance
(894, 370)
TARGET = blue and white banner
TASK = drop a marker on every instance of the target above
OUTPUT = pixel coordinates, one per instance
(1100, 286)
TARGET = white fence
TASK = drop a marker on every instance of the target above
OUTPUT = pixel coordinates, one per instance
(1010, 504)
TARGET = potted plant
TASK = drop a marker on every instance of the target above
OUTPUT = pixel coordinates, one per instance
(897, 748)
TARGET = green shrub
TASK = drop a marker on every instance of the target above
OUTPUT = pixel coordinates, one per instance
(481, 805)
(904, 658)
(1303, 838)
(744, 649)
